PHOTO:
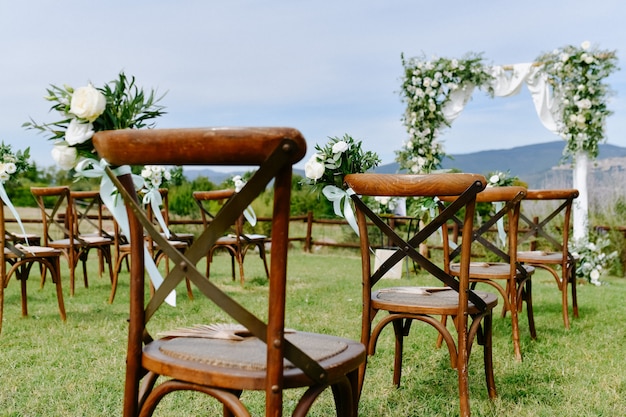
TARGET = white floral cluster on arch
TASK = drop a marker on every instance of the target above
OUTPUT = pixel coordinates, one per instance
(577, 77)
(567, 87)
(435, 93)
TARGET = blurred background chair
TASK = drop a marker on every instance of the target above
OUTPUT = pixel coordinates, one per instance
(424, 304)
(20, 258)
(545, 228)
(496, 264)
(236, 242)
(264, 357)
(60, 230)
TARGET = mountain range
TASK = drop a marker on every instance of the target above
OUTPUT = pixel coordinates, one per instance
(533, 164)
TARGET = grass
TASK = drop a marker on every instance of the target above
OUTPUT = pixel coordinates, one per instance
(51, 368)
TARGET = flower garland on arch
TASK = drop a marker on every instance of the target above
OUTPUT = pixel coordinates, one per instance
(577, 77)
(427, 90)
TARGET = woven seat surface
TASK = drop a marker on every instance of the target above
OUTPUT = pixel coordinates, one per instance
(539, 256)
(249, 353)
(425, 297)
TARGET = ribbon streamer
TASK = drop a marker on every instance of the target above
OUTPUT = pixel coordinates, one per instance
(7, 201)
(335, 195)
(91, 168)
(154, 199)
(498, 205)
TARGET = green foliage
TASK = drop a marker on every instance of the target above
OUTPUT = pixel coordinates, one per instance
(566, 373)
(181, 201)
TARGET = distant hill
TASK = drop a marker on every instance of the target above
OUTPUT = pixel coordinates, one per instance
(537, 165)
(531, 163)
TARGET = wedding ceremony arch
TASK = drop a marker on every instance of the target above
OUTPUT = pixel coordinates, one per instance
(568, 90)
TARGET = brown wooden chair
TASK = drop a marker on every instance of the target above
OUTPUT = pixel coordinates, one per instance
(60, 229)
(236, 243)
(20, 259)
(88, 214)
(498, 265)
(424, 304)
(547, 229)
(269, 360)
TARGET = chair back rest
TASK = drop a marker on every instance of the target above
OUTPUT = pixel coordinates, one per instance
(549, 219)
(56, 215)
(210, 202)
(88, 210)
(274, 151)
(504, 214)
(461, 189)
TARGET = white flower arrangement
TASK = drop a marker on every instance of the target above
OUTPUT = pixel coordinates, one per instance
(576, 75)
(501, 179)
(12, 163)
(119, 104)
(426, 88)
(155, 175)
(591, 259)
(339, 157)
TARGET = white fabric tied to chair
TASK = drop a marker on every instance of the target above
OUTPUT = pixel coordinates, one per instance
(335, 195)
(91, 168)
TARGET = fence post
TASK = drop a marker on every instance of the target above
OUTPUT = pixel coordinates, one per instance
(309, 232)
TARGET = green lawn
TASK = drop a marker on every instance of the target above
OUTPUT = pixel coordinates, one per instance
(51, 368)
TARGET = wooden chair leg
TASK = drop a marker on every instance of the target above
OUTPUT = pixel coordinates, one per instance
(397, 360)
(488, 355)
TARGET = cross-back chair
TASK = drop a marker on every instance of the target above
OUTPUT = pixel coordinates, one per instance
(269, 360)
(88, 219)
(20, 258)
(498, 265)
(236, 242)
(424, 304)
(59, 229)
(546, 230)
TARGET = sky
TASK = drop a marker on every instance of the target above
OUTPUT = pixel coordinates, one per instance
(325, 67)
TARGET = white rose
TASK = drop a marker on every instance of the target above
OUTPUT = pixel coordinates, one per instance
(584, 104)
(340, 147)
(64, 155)
(585, 45)
(10, 168)
(494, 179)
(87, 103)
(78, 132)
(382, 200)
(4, 176)
(594, 275)
(314, 169)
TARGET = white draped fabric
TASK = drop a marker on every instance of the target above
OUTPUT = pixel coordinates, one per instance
(508, 81)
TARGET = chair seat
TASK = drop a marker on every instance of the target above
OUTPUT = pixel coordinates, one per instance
(241, 364)
(32, 251)
(425, 300)
(488, 270)
(540, 257)
(91, 240)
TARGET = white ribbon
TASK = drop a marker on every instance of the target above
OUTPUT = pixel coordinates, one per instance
(500, 223)
(335, 195)
(248, 213)
(154, 199)
(250, 216)
(91, 168)
(7, 201)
